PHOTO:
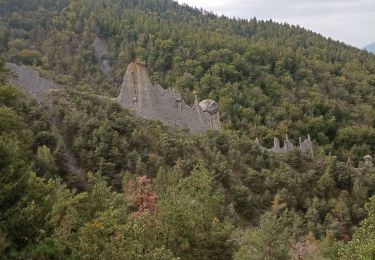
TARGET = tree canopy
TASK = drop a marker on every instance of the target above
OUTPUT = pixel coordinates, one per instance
(83, 178)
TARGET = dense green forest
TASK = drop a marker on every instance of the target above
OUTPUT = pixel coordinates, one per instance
(148, 191)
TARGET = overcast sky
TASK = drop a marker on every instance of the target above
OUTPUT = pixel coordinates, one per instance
(350, 21)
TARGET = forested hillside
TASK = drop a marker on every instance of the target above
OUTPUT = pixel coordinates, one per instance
(147, 191)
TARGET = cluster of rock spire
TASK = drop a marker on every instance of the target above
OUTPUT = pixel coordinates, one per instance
(305, 146)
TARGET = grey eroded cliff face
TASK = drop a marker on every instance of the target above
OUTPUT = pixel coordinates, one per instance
(153, 102)
(138, 94)
(101, 51)
(30, 80)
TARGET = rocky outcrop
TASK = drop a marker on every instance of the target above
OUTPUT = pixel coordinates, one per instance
(138, 94)
(209, 106)
(368, 161)
(209, 113)
(305, 146)
(30, 79)
(101, 51)
(154, 102)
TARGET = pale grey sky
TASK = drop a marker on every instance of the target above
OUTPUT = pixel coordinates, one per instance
(350, 21)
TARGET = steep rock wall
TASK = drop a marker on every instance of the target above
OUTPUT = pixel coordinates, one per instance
(153, 102)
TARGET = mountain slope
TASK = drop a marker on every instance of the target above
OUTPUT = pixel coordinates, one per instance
(269, 79)
(153, 192)
(370, 47)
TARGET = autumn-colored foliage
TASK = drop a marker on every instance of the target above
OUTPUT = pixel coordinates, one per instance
(141, 194)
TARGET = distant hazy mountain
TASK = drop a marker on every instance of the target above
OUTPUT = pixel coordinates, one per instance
(370, 47)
